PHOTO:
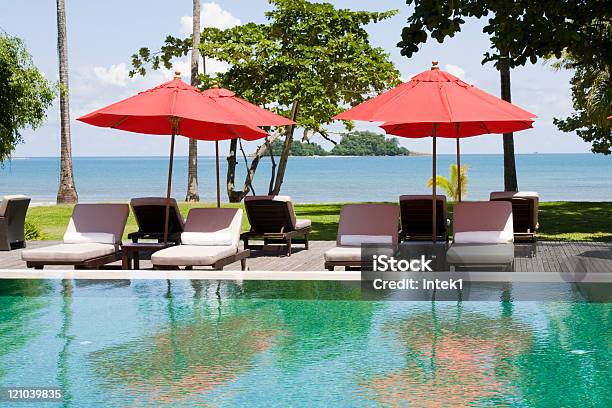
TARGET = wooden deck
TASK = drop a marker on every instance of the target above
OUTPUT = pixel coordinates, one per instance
(550, 256)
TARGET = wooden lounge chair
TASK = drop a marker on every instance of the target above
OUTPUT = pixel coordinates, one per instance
(273, 220)
(150, 214)
(92, 239)
(211, 238)
(483, 235)
(13, 211)
(362, 224)
(524, 212)
(416, 218)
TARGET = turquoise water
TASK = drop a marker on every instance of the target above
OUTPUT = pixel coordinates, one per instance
(204, 343)
(574, 177)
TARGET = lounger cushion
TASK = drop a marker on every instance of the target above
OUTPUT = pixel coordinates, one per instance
(69, 253)
(99, 218)
(343, 254)
(182, 255)
(483, 237)
(5, 201)
(207, 238)
(302, 223)
(469, 216)
(358, 240)
(474, 254)
(88, 237)
(368, 219)
(216, 221)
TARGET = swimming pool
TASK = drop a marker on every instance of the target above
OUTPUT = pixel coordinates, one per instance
(261, 343)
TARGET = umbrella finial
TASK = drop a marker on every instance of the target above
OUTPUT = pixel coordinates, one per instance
(434, 64)
(215, 84)
(177, 74)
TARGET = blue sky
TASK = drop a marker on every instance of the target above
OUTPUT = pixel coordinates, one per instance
(103, 35)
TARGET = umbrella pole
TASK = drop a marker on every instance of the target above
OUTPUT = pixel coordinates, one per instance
(167, 220)
(433, 189)
(218, 185)
(458, 172)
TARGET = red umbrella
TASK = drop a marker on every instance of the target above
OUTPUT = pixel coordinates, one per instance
(242, 109)
(245, 110)
(174, 108)
(438, 104)
(151, 112)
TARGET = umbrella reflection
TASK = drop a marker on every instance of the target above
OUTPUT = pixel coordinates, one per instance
(186, 360)
(451, 362)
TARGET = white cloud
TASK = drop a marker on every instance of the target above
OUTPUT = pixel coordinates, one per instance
(212, 15)
(114, 75)
(455, 70)
(184, 67)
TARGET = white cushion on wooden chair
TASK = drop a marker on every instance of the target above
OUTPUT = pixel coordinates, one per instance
(88, 237)
(68, 252)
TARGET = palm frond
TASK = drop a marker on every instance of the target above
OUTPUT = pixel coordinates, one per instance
(450, 185)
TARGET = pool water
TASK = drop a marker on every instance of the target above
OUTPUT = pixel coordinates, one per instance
(292, 344)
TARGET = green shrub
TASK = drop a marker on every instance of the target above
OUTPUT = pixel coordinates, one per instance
(32, 232)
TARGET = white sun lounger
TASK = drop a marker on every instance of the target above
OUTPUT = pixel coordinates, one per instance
(92, 238)
(210, 238)
(362, 224)
(483, 235)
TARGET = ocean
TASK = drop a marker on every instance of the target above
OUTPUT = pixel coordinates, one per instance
(557, 177)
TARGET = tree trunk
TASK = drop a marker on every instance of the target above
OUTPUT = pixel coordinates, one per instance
(233, 195)
(192, 169)
(237, 196)
(282, 165)
(510, 181)
(273, 170)
(67, 191)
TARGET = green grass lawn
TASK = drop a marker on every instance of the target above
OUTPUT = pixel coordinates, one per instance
(569, 221)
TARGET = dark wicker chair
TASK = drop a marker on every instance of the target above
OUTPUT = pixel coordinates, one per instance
(416, 212)
(524, 212)
(150, 214)
(12, 219)
(273, 220)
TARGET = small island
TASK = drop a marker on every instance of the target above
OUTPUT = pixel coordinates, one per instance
(351, 144)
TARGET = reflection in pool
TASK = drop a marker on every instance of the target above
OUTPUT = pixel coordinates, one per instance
(204, 343)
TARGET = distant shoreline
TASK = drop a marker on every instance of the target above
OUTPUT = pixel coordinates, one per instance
(315, 179)
(416, 154)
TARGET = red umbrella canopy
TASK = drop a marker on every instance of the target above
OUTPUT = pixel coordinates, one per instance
(455, 130)
(150, 112)
(245, 110)
(437, 97)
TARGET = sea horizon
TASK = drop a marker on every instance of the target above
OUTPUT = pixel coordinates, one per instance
(317, 156)
(322, 179)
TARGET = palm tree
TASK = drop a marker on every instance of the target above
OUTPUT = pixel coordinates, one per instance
(67, 191)
(192, 167)
(510, 180)
(451, 186)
